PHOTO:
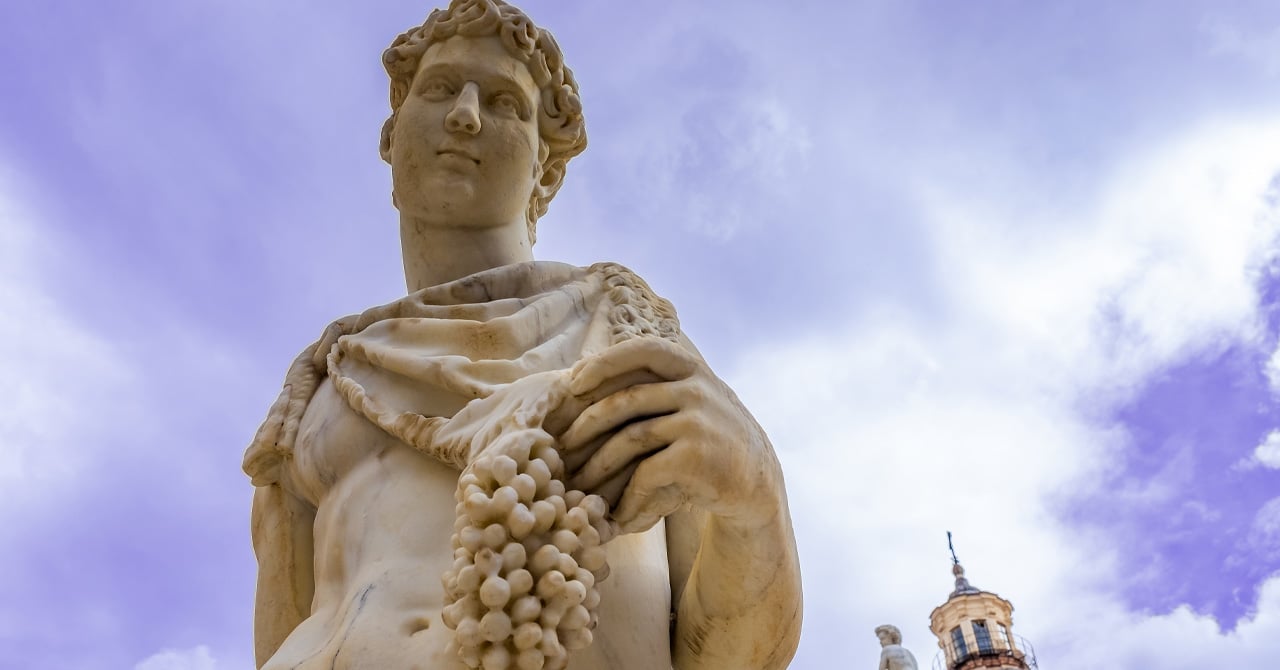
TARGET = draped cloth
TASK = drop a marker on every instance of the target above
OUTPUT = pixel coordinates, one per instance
(500, 344)
(522, 325)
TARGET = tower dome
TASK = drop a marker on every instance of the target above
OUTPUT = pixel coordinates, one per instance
(975, 629)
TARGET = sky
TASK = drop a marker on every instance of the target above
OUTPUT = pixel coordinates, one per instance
(1002, 268)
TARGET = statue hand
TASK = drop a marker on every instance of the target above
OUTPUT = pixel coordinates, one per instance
(659, 429)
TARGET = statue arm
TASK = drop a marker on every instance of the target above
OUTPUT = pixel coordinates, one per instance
(691, 453)
(282, 542)
(737, 598)
(740, 605)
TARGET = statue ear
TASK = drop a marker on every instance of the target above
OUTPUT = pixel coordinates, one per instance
(384, 142)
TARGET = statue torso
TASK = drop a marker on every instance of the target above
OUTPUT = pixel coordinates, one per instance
(896, 657)
(384, 518)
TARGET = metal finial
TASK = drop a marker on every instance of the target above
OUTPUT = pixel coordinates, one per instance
(962, 584)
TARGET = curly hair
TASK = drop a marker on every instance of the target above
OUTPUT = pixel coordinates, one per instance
(561, 129)
(895, 635)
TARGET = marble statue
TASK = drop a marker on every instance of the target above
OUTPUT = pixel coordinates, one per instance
(893, 656)
(520, 464)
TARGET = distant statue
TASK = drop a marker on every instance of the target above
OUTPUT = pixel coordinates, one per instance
(519, 465)
(893, 656)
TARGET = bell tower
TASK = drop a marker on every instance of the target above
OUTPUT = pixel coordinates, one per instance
(975, 629)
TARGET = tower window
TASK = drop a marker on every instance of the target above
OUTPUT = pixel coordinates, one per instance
(1004, 636)
(983, 636)
(957, 643)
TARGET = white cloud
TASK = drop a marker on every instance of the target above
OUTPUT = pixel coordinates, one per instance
(57, 371)
(1264, 534)
(1268, 452)
(1105, 636)
(897, 427)
(197, 658)
(1165, 261)
(1272, 371)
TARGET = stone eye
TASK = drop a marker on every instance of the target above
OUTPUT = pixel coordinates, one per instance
(437, 87)
(507, 103)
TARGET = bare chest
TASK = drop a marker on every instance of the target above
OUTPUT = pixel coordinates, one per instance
(382, 539)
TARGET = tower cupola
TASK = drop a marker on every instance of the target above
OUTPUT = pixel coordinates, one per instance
(975, 629)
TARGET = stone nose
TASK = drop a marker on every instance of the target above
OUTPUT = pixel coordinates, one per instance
(465, 115)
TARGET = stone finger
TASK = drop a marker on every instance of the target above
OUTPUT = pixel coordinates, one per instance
(617, 409)
(665, 359)
(633, 441)
(643, 506)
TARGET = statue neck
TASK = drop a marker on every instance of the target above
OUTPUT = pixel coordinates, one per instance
(435, 255)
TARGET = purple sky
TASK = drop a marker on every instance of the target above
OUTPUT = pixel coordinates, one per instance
(1001, 268)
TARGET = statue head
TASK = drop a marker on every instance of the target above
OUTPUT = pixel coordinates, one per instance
(557, 109)
(888, 635)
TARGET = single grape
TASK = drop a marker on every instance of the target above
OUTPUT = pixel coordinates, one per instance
(496, 657)
(521, 582)
(495, 626)
(494, 592)
(503, 468)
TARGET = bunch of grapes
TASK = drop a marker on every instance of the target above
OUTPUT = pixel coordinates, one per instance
(528, 555)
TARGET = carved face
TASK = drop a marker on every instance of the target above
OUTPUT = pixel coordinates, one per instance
(464, 149)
